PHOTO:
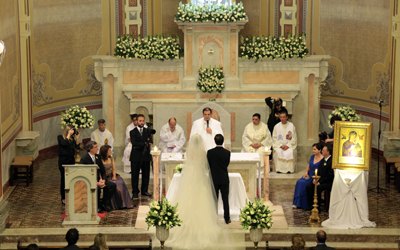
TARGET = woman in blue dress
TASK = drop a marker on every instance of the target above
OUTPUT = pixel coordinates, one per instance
(300, 194)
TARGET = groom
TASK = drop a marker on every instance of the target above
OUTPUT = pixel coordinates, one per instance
(218, 159)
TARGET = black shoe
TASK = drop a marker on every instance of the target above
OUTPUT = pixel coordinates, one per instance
(278, 172)
(146, 194)
(288, 172)
(105, 208)
(228, 221)
(135, 195)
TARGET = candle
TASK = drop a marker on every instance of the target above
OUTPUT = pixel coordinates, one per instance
(316, 172)
(266, 148)
(155, 148)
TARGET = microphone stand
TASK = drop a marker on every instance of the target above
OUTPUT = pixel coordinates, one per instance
(378, 189)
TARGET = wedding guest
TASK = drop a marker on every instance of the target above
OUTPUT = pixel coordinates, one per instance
(275, 105)
(321, 239)
(300, 193)
(32, 246)
(68, 141)
(72, 237)
(121, 198)
(100, 241)
(298, 243)
(329, 137)
(102, 135)
(93, 247)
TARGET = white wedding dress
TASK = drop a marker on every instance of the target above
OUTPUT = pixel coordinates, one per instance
(197, 206)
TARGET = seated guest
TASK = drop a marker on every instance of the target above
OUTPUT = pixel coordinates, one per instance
(321, 238)
(275, 104)
(93, 247)
(298, 243)
(121, 198)
(108, 186)
(128, 144)
(284, 143)
(326, 174)
(100, 241)
(329, 137)
(102, 135)
(300, 193)
(172, 137)
(256, 137)
(32, 246)
(72, 237)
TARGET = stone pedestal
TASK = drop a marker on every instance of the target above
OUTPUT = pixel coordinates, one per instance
(266, 154)
(81, 195)
(4, 214)
(26, 145)
(392, 148)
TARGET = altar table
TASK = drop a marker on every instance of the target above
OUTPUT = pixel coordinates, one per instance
(246, 164)
(237, 194)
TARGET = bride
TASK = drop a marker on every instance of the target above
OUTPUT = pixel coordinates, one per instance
(198, 206)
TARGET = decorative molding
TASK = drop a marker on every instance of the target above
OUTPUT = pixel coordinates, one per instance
(17, 103)
(11, 136)
(383, 88)
(39, 89)
(64, 107)
(304, 21)
(133, 3)
(94, 84)
(288, 2)
(356, 107)
(134, 30)
(330, 82)
(116, 13)
(144, 21)
(276, 18)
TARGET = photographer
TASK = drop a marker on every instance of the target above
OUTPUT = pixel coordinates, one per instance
(140, 157)
(68, 141)
(275, 104)
(328, 138)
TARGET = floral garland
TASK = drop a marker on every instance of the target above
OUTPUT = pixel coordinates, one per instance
(260, 48)
(79, 117)
(256, 215)
(158, 47)
(163, 214)
(345, 113)
(211, 79)
(210, 13)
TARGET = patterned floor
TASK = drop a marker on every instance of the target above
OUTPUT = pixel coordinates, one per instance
(39, 204)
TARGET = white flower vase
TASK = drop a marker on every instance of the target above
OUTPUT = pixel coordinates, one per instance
(162, 235)
(256, 236)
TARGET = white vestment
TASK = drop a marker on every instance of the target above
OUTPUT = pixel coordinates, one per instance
(169, 139)
(128, 148)
(284, 134)
(102, 137)
(200, 127)
(256, 134)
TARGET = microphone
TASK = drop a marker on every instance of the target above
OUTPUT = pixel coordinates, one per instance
(208, 125)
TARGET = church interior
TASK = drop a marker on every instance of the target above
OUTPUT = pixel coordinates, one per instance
(58, 54)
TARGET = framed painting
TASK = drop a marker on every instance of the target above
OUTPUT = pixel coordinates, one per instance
(352, 145)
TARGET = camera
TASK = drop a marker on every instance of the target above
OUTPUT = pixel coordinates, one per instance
(75, 131)
(323, 135)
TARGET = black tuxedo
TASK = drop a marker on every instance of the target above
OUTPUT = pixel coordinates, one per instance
(140, 159)
(325, 182)
(109, 189)
(219, 159)
(323, 247)
(71, 247)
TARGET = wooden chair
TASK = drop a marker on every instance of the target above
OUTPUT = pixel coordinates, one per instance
(390, 164)
(23, 176)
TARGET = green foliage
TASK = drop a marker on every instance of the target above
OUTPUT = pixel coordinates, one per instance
(163, 214)
(256, 215)
(211, 79)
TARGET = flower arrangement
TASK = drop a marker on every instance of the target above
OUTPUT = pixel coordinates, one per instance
(163, 214)
(211, 79)
(256, 215)
(210, 13)
(79, 117)
(260, 48)
(178, 168)
(150, 47)
(346, 113)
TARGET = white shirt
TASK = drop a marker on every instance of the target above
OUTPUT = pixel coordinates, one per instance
(200, 127)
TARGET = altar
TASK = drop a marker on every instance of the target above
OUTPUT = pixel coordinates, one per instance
(246, 164)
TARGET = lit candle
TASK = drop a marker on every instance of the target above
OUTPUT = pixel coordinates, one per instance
(266, 148)
(155, 148)
(316, 172)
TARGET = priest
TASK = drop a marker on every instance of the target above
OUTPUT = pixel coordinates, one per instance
(172, 137)
(207, 127)
(102, 135)
(284, 144)
(256, 137)
(128, 144)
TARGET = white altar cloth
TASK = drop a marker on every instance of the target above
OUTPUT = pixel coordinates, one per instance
(348, 207)
(237, 195)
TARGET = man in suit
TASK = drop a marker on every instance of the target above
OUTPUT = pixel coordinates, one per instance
(326, 174)
(321, 238)
(72, 237)
(218, 159)
(140, 157)
(108, 187)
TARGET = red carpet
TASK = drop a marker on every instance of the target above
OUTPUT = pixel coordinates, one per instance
(101, 215)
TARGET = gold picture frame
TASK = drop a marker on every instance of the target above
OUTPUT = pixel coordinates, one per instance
(352, 146)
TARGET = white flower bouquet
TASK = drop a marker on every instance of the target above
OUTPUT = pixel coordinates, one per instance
(260, 48)
(163, 214)
(158, 47)
(216, 13)
(79, 117)
(256, 215)
(178, 168)
(345, 113)
(211, 79)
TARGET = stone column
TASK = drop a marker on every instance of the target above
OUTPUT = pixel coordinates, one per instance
(156, 170)
(395, 71)
(266, 154)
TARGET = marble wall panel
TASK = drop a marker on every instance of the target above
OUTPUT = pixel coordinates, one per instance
(7, 158)
(9, 67)
(356, 32)
(64, 33)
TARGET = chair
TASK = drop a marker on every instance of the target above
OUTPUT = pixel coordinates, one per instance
(390, 164)
(23, 176)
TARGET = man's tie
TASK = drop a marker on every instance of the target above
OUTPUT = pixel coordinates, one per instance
(141, 131)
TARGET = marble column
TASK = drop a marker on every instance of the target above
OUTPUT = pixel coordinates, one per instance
(266, 154)
(156, 171)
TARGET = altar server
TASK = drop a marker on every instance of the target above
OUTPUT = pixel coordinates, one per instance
(102, 135)
(256, 137)
(128, 144)
(172, 137)
(207, 127)
(284, 144)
